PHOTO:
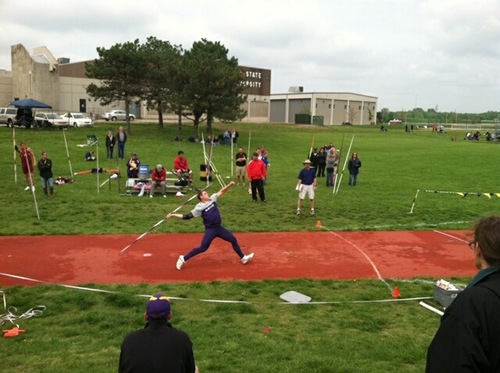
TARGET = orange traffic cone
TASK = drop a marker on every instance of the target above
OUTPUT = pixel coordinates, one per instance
(318, 224)
(395, 292)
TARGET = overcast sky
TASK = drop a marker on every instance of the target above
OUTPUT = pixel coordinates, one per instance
(408, 53)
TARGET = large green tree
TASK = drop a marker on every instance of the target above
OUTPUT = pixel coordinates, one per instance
(161, 87)
(214, 88)
(121, 71)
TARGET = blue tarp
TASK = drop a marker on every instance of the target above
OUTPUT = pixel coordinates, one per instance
(30, 103)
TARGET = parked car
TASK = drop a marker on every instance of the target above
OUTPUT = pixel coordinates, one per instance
(77, 120)
(8, 116)
(48, 120)
(118, 115)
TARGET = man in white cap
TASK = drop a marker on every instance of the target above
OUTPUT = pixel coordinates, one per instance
(306, 185)
(158, 177)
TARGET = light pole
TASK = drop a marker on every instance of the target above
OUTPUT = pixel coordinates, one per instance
(30, 82)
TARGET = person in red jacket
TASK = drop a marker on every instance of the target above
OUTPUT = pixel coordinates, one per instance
(158, 177)
(181, 166)
(28, 162)
(257, 173)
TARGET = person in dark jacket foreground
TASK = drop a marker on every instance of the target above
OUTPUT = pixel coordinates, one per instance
(468, 339)
(158, 347)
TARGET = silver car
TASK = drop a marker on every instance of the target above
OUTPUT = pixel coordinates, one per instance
(47, 120)
(114, 115)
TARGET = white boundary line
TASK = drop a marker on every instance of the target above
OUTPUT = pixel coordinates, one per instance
(216, 300)
(375, 269)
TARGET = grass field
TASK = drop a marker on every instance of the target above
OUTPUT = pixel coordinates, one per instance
(81, 331)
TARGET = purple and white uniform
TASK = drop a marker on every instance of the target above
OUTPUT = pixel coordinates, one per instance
(209, 212)
(213, 227)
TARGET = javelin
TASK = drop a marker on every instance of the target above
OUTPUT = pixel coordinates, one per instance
(345, 163)
(463, 194)
(161, 221)
(414, 201)
(338, 162)
(311, 150)
(31, 180)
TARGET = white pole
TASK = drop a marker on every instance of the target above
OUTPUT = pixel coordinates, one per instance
(205, 158)
(15, 153)
(249, 138)
(67, 153)
(232, 154)
(249, 158)
(97, 159)
(430, 308)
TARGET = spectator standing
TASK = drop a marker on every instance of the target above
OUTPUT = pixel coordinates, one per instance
(468, 338)
(208, 210)
(321, 163)
(133, 166)
(121, 138)
(331, 160)
(235, 136)
(306, 186)
(158, 177)
(241, 166)
(354, 165)
(314, 158)
(257, 173)
(28, 162)
(158, 347)
(45, 168)
(227, 137)
(110, 144)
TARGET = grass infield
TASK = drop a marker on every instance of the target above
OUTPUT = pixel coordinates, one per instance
(82, 331)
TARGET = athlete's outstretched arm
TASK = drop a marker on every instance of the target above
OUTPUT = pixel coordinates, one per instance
(224, 189)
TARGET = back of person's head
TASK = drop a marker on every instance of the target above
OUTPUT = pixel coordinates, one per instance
(180, 152)
(487, 236)
(158, 307)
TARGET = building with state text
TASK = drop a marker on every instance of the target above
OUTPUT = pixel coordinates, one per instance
(62, 84)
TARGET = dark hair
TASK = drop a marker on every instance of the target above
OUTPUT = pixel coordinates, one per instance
(198, 194)
(255, 154)
(180, 152)
(487, 236)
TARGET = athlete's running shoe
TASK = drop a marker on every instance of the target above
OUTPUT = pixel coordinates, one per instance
(180, 262)
(247, 258)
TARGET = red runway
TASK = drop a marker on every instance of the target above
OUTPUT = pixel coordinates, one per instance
(78, 260)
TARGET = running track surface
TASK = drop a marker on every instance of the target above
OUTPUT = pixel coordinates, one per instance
(78, 260)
